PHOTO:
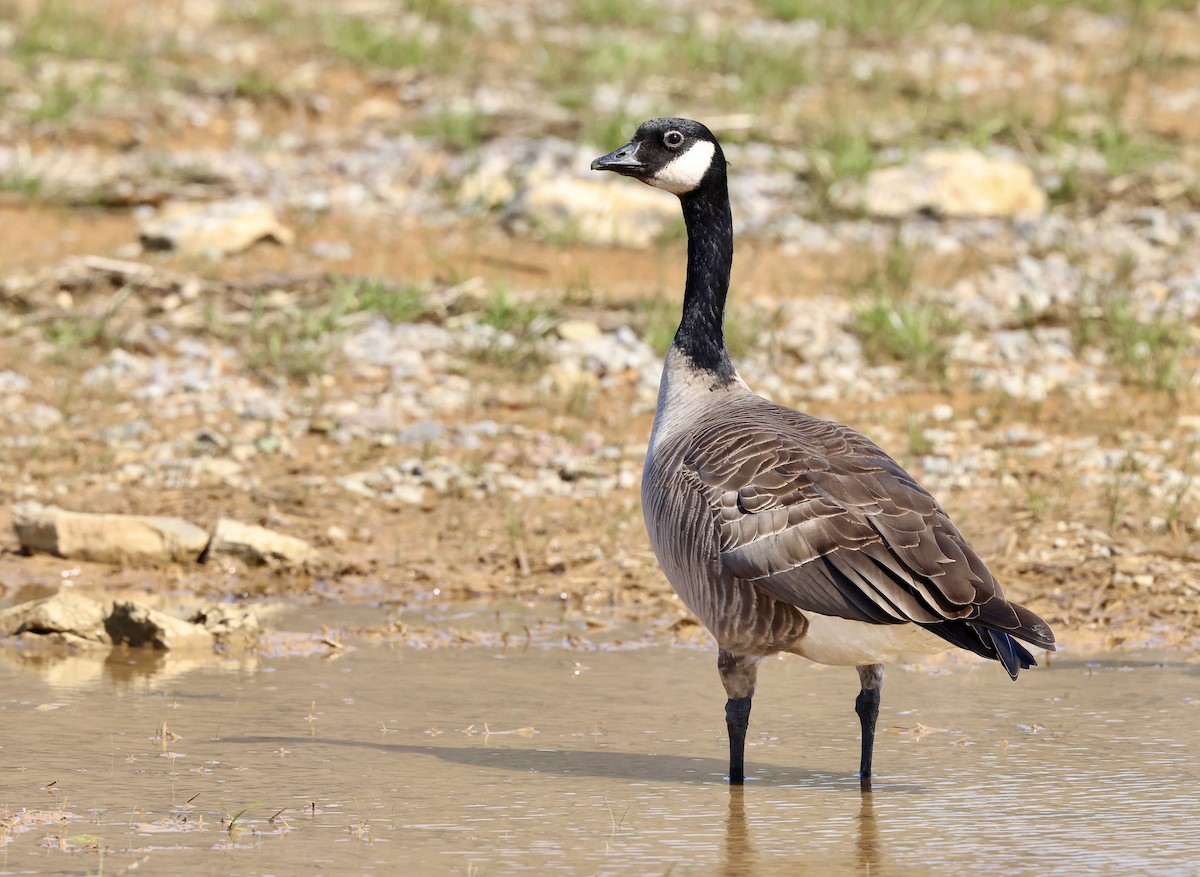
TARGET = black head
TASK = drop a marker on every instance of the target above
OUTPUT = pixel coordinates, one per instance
(678, 155)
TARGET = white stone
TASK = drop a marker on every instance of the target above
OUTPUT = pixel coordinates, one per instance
(602, 212)
(953, 183)
(219, 228)
(577, 330)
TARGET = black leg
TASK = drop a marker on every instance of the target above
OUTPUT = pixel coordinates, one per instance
(737, 720)
(867, 707)
(738, 674)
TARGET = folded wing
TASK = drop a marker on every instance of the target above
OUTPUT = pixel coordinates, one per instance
(816, 515)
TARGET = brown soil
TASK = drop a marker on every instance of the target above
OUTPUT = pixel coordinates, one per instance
(588, 554)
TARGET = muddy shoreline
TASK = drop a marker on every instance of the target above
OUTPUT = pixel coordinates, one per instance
(459, 481)
(350, 288)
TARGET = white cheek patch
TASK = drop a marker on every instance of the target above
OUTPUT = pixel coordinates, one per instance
(684, 173)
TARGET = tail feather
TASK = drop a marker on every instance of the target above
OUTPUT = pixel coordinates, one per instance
(1015, 620)
(1010, 653)
(1033, 629)
(986, 642)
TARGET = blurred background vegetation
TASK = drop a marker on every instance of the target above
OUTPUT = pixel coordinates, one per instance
(841, 80)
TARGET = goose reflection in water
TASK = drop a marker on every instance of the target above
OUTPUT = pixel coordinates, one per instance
(740, 859)
(846, 843)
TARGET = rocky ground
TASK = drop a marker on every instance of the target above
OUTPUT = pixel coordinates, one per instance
(341, 272)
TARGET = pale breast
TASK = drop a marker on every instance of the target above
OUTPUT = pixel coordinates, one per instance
(681, 530)
(682, 525)
(683, 534)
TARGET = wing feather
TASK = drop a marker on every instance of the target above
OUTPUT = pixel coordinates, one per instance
(816, 515)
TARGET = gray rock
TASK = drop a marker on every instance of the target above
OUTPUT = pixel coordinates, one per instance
(333, 251)
(221, 228)
(488, 428)
(258, 546)
(67, 613)
(381, 343)
(12, 383)
(42, 417)
(268, 408)
(119, 539)
(423, 432)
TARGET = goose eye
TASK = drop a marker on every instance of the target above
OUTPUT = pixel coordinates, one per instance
(672, 139)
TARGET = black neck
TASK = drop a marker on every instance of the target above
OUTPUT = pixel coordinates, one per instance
(710, 257)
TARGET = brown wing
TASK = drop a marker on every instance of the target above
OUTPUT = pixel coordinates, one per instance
(816, 515)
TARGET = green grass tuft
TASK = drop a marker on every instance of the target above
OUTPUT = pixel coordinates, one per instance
(265, 15)
(869, 18)
(61, 98)
(258, 85)
(395, 303)
(894, 324)
(20, 182)
(364, 42)
(462, 130)
(657, 319)
(839, 155)
(617, 13)
(1124, 153)
(72, 31)
(369, 42)
(522, 332)
(1148, 351)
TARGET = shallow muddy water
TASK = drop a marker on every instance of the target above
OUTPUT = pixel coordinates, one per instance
(402, 761)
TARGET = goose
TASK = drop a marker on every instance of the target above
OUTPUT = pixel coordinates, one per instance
(782, 532)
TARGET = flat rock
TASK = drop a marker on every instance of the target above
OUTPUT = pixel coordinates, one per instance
(66, 614)
(598, 212)
(120, 539)
(73, 619)
(953, 184)
(577, 330)
(258, 546)
(139, 626)
(218, 228)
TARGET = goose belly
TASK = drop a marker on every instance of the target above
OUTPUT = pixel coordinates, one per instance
(841, 641)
